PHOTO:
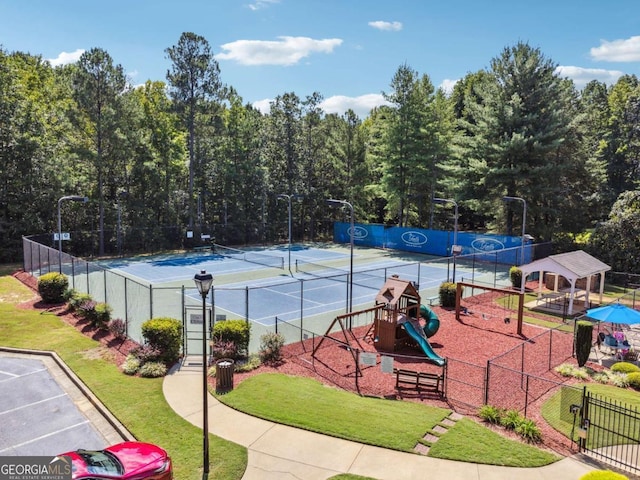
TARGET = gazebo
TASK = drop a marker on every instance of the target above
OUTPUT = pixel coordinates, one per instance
(573, 266)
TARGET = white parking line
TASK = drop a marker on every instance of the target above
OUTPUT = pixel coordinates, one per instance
(32, 404)
(44, 436)
(13, 375)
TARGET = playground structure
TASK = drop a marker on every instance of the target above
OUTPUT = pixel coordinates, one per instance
(506, 319)
(396, 323)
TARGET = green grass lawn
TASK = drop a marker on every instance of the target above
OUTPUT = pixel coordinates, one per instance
(308, 404)
(556, 411)
(155, 422)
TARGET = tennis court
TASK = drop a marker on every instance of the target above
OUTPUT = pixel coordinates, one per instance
(259, 285)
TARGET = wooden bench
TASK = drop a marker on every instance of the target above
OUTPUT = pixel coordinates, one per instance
(418, 380)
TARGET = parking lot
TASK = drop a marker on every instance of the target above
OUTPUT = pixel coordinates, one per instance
(43, 412)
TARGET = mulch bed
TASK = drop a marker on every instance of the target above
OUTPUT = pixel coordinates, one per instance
(471, 341)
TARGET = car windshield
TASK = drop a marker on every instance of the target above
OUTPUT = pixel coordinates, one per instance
(101, 462)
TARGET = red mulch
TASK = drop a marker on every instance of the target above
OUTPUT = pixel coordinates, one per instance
(474, 339)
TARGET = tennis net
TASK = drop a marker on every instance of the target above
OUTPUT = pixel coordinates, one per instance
(247, 256)
(374, 278)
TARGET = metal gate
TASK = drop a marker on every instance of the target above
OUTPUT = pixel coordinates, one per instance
(609, 431)
(193, 332)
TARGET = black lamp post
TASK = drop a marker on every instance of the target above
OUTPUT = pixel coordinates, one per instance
(454, 248)
(73, 198)
(204, 281)
(334, 203)
(284, 196)
(524, 221)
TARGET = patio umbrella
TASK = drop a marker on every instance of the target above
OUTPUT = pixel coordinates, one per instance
(615, 313)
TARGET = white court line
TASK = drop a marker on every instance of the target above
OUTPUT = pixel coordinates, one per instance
(44, 436)
(34, 403)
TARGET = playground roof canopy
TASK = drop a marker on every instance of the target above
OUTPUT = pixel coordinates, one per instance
(395, 288)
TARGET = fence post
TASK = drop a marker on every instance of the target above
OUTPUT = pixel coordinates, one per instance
(486, 383)
(526, 397)
(246, 303)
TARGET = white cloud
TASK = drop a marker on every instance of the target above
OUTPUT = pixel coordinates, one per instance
(284, 51)
(387, 26)
(361, 105)
(627, 50)
(259, 4)
(582, 76)
(66, 58)
(447, 85)
(264, 105)
(339, 104)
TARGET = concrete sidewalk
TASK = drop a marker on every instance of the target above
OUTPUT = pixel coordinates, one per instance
(281, 452)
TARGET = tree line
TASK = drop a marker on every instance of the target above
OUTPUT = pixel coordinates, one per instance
(186, 153)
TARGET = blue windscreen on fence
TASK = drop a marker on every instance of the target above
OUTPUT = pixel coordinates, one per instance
(433, 242)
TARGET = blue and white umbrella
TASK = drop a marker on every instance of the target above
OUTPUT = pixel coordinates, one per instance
(615, 313)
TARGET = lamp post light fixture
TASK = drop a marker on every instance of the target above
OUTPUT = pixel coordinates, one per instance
(204, 281)
(524, 221)
(72, 198)
(284, 196)
(335, 203)
(455, 249)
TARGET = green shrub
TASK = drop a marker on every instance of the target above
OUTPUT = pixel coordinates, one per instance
(528, 430)
(153, 370)
(603, 475)
(97, 314)
(625, 367)
(570, 370)
(251, 363)
(236, 331)
(511, 419)
(634, 380)
(583, 339)
(131, 365)
(164, 334)
(490, 414)
(447, 294)
(515, 276)
(75, 299)
(271, 347)
(52, 287)
(619, 379)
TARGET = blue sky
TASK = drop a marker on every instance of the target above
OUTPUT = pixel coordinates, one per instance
(346, 50)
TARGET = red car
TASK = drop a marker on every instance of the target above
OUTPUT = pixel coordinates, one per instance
(127, 460)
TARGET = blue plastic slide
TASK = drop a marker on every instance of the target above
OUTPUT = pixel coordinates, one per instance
(424, 344)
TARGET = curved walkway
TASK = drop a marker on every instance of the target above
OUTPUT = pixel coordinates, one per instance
(280, 452)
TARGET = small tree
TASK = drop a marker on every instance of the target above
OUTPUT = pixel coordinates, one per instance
(584, 335)
(447, 294)
(515, 275)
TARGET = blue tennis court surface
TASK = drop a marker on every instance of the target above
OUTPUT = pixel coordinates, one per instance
(289, 293)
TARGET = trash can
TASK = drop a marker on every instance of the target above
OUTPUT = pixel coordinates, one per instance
(224, 375)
